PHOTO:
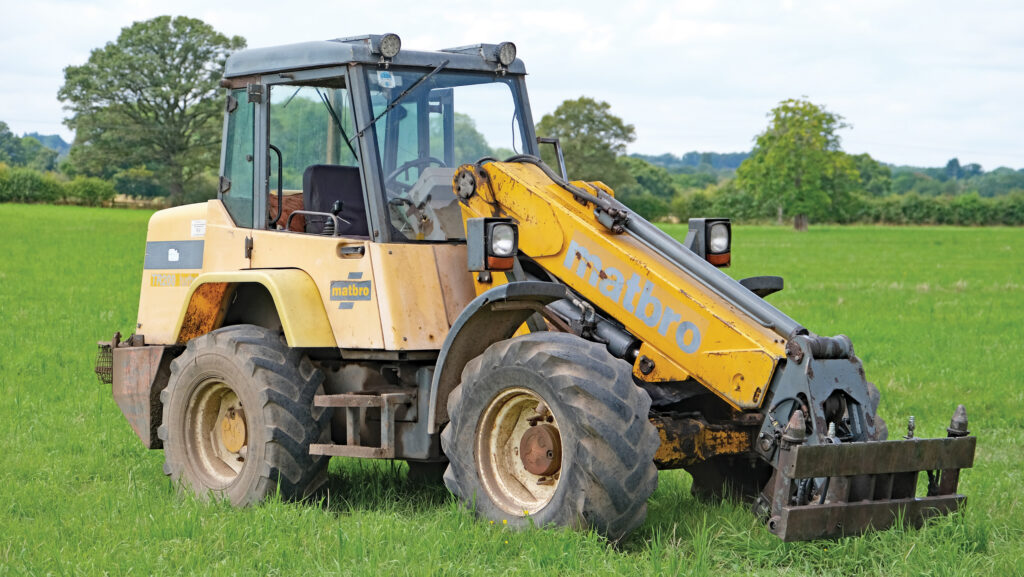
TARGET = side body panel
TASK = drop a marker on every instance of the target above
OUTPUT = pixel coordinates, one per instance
(345, 283)
(175, 256)
(415, 290)
(412, 299)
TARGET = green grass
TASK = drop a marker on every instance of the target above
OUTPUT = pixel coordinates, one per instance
(935, 313)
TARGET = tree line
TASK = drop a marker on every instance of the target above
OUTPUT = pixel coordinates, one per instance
(797, 172)
(146, 114)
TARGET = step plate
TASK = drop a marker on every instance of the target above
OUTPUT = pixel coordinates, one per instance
(352, 451)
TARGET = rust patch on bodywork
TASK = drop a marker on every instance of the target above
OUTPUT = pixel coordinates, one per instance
(205, 311)
(686, 441)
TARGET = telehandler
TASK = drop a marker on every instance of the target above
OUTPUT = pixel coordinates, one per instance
(373, 282)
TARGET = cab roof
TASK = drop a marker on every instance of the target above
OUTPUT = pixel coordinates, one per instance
(358, 50)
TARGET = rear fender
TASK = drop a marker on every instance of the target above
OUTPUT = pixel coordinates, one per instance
(298, 302)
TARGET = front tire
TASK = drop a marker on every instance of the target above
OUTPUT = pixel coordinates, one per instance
(549, 429)
(238, 417)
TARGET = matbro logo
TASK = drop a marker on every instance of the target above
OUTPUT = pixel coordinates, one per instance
(636, 295)
(349, 291)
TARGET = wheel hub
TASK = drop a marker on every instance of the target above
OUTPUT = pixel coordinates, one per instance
(216, 437)
(232, 430)
(541, 450)
(519, 451)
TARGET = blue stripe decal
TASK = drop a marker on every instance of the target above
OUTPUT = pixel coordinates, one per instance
(346, 305)
(174, 254)
(355, 275)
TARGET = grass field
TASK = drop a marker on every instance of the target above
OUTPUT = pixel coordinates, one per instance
(936, 314)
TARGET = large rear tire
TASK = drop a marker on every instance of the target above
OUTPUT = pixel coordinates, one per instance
(238, 417)
(549, 429)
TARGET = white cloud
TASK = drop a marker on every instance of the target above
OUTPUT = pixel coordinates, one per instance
(920, 82)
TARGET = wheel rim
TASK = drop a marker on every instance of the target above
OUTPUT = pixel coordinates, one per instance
(510, 416)
(216, 434)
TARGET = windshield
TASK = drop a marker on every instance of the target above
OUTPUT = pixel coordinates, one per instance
(449, 119)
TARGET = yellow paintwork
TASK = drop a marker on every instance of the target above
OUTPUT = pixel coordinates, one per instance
(160, 303)
(416, 291)
(232, 431)
(319, 256)
(735, 357)
(298, 301)
(412, 313)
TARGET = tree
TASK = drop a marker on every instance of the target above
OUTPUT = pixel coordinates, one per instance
(10, 145)
(592, 139)
(470, 144)
(650, 179)
(797, 165)
(953, 170)
(875, 177)
(149, 99)
(25, 151)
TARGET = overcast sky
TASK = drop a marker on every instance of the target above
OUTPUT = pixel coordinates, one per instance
(920, 82)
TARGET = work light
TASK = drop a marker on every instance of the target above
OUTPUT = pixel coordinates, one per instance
(718, 238)
(491, 243)
(506, 53)
(503, 240)
(711, 238)
(390, 45)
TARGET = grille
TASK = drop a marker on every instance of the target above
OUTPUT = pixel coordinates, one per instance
(105, 363)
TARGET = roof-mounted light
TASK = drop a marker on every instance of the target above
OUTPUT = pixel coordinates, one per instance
(388, 45)
(505, 53)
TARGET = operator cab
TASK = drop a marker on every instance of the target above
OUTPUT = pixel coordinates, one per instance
(356, 137)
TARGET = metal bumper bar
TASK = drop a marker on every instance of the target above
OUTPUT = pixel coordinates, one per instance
(832, 490)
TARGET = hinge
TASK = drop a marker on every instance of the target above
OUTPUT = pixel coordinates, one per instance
(248, 247)
(231, 104)
(224, 185)
(255, 92)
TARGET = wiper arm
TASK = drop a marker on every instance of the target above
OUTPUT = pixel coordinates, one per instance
(401, 96)
(337, 122)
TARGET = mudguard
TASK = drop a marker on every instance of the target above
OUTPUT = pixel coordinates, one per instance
(298, 301)
(493, 316)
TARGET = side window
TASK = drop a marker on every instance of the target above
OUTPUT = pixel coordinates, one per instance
(310, 125)
(238, 156)
(314, 160)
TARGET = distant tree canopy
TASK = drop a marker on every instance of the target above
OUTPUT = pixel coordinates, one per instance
(797, 166)
(592, 139)
(694, 160)
(25, 151)
(150, 99)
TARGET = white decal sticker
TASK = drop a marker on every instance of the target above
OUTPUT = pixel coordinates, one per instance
(173, 255)
(198, 228)
(385, 79)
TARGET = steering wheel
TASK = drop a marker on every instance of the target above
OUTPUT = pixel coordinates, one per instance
(391, 181)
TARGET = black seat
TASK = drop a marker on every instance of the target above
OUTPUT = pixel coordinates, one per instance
(322, 185)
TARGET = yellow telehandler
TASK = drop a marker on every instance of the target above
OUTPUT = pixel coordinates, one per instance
(373, 282)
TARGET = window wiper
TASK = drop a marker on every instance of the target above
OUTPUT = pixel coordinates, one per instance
(337, 122)
(401, 96)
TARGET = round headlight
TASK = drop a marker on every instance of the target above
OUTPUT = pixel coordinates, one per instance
(503, 240)
(390, 45)
(718, 241)
(506, 53)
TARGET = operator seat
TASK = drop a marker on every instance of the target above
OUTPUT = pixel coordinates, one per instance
(322, 185)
